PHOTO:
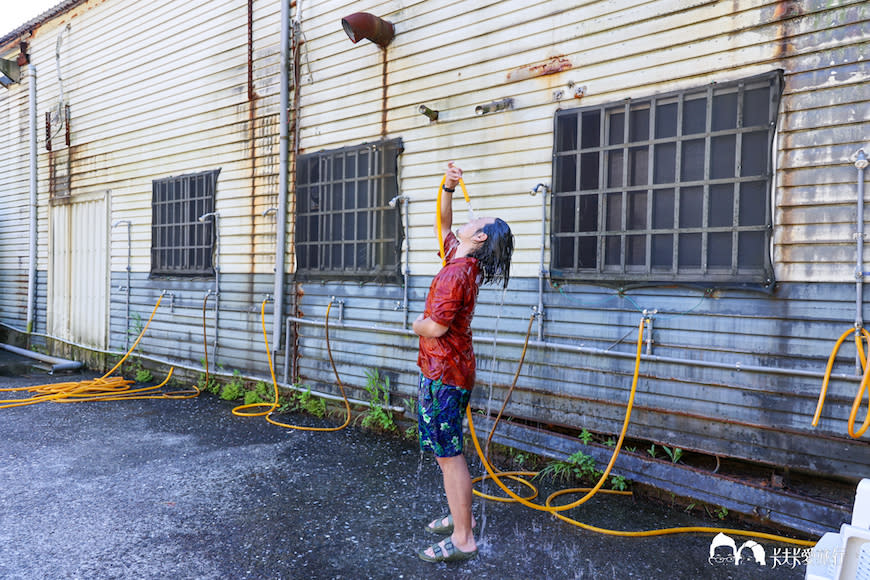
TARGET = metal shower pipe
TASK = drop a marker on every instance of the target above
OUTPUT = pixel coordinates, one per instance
(127, 287)
(217, 279)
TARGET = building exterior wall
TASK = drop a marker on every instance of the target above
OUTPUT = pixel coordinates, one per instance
(729, 371)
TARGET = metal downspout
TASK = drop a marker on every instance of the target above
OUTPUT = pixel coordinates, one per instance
(127, 287)
(860, 159)
(283, 168)
(34, 168)
(539, 311)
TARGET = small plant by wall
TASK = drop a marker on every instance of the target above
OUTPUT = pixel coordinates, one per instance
(378, 415)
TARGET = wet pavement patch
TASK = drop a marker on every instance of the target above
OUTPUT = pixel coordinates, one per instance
(185, 489)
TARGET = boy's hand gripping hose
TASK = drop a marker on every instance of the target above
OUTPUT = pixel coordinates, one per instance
(555, 510)
(438, 214)
(269, 408)
(862, 388)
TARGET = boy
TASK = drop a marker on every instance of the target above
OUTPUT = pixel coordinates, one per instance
(478, 253)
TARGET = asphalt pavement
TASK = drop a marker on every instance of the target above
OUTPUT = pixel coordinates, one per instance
(185, 489)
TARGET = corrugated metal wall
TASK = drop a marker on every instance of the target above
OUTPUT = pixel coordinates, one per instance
(14, 208)
(174, 97)
(452, 56)
(196, 89)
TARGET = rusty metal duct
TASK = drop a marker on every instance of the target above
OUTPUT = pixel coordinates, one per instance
(364, 25)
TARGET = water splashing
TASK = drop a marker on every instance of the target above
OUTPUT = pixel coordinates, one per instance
(485, 481)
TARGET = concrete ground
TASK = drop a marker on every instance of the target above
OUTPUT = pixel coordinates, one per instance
(184, 489)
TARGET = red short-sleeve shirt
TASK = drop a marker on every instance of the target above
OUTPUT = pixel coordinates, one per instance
(450, 302)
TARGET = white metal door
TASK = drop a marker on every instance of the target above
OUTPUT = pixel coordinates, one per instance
(78, 282)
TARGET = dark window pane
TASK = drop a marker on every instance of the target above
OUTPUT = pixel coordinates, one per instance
(754, 154)
(362, 163)
(635, 250)
(335, 230)
(588, 213)
(566, 173)
(663, 209)
(362, 193)
(614, 168)
(722, 150)
(692, 161)
(350, 165)
(724, 111)
(721, 205)
(636, 218)
(302, 172)
(753, 200)
(719, 250)
(350, 195)
(338, 168)
(564, 210)
(750, 249)
(589, 171)
(591, 129)
(662, 251)
(616, 133)
(689, 251)
(587, 248)
(694, 116)
(638, 127)
(362, 226)
(349, 228)
(613, 221)
(638, 171)
(665, 164)
(349, 261)
(612, 251)
(566, 133)
(691, 207)
(666, 121)
(756, 107)
(563, 252)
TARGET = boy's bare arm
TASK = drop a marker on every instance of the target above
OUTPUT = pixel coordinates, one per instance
(428, 327)
(451, 180)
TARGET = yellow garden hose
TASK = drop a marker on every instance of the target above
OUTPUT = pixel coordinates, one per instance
(104, 388)
(588, 492)
(548, 507)
(438, 214)
(862, 388)
(269, 408)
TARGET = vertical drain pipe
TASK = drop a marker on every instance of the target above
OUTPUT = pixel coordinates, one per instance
(539, 312)
(34, 168)
(860, 159)
(127, 287)
(217, 279)
(283, 169)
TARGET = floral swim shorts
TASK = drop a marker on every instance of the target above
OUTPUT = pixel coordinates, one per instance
(440, 408)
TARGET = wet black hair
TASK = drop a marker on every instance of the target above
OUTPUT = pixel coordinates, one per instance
(494, 254)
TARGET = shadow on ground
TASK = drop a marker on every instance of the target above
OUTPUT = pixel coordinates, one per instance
(185, 489)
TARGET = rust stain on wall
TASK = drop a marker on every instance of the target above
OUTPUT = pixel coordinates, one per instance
(551, 66)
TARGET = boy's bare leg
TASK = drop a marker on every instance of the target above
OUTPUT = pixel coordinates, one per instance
(457, 487)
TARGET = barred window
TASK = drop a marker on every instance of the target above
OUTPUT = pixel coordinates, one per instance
(180, 243)
(671, 188)
(345, 225)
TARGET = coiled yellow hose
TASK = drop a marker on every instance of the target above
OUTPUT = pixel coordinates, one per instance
(269, 408)
(589, 493)
(104, 388)
(862, 388)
